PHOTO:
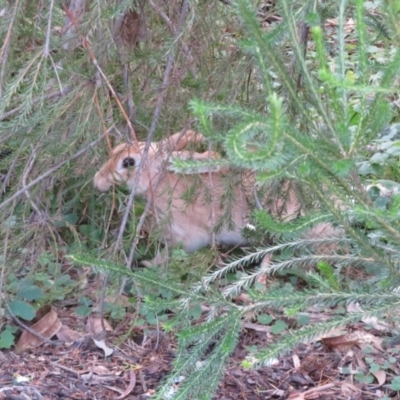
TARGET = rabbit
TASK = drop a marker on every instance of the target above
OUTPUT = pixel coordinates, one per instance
(190, 223)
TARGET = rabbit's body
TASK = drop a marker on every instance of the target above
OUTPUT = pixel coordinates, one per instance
(191, 222)
(187, 208)
(188, 222)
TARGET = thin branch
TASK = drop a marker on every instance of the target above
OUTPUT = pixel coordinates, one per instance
(173, 31)
(154, 122)
(28, 169)
(49, 172)
(36, 100)
(47, 42)
(5, 50)
(87, 45)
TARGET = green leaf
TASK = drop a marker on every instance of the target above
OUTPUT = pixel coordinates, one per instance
(367, 379)
(83, 311)
(264, 319)
(30, 293)
(303, 319)
(343, 167)
(7, 337)
(395, 385)
(374, 368)
(278, 327)
(151, 318)
(22, 309)
(85, 301)
(64, 280)
(71, 218)
(196, 312)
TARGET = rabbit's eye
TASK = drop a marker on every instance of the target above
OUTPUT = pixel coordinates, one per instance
(128, 162)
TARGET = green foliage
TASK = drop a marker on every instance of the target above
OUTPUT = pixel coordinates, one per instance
(7, 338)
(321, 136)
(323, 120)
(395, 385)
(84, 308)
(56, 103)
(22, 309)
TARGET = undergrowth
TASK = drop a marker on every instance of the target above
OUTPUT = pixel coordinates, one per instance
(321, 114)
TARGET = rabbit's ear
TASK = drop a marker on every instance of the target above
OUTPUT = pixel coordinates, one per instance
(179, 140)
(132, 148)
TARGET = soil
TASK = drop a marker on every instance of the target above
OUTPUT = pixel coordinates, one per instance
(137, 365)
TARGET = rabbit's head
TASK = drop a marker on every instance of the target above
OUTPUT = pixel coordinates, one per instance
(122, 168)
(125, 160)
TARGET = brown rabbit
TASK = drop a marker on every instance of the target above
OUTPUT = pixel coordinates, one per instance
(188, 222)
(192, 222)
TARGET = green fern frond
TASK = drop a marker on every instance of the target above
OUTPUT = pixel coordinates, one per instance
(195, 166)
(269, 355)
(208, 370)
(273, 299)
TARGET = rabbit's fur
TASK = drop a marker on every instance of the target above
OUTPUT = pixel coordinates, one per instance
(191, 222)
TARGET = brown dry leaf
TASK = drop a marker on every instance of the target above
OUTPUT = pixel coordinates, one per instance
(380, 376)
(312, 393)
(244, 298)
(256, 327)
(68, 335)
(95, 328)
(101, 370)
(296, 361)
(328, 334)
(343, 342)
(297, 396)
(332, 21)
(93, 325)
(349, 390)
(349, 25)
(98, 379)
(372, 321)
(47, 325)
(360, 365)
(368, 338)
(376, 324)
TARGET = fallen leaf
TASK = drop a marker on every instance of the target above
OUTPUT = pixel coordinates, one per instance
(328, 334)
(380, 376)
(296, 361)
(349, 390)
(94, 326)
(343, 342)
(47, 325)
(257, 327)
(372, 321)
(296, 396)
(101, 370)
(68, 335)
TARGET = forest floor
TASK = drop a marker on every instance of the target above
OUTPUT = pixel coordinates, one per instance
(137, 365)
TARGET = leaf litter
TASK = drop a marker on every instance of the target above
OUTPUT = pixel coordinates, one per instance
(348, 364)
